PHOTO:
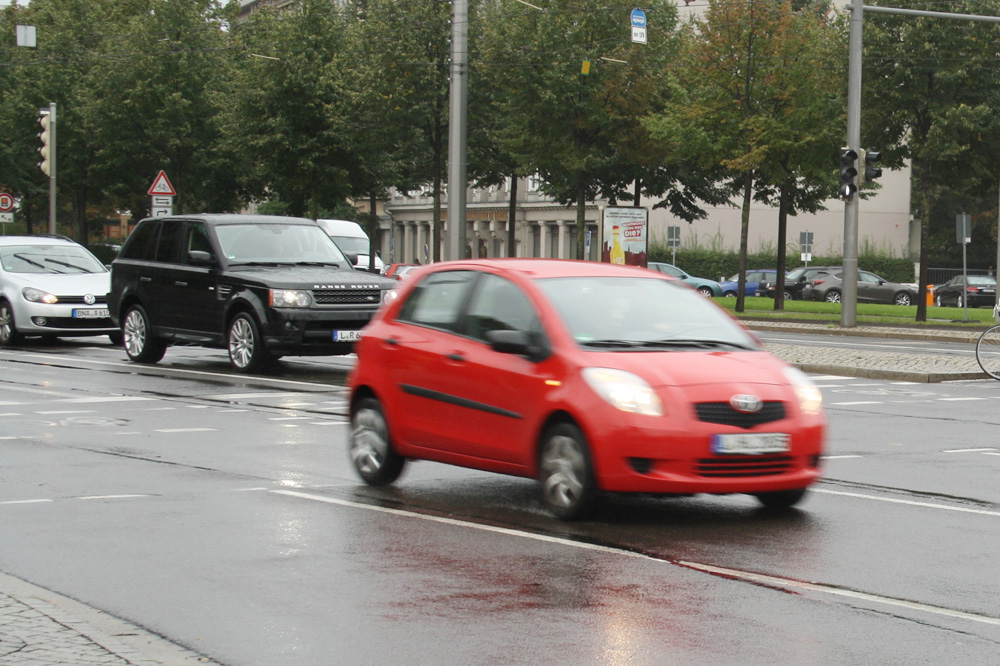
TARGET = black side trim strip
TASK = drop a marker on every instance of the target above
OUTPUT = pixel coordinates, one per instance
(461, 402)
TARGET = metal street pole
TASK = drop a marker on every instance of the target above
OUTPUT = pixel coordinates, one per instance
(457, 129)
(849, 295)
(52, 167)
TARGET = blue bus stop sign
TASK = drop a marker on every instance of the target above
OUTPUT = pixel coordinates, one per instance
(638, 18)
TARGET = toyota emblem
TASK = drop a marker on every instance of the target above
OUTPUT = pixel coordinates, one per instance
(748, 404)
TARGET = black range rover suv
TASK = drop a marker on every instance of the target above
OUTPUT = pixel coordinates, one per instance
(261, 286)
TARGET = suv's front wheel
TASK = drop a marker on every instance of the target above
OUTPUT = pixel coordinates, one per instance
(246, 347)
(137, 334)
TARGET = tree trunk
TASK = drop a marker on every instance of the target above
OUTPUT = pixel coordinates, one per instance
(744, 236)
(779, 290)
(581, 215)
(511, 218)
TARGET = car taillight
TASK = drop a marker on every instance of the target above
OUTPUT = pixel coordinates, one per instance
(816, 282)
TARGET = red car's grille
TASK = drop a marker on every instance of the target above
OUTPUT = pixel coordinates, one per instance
(744, 466)
(722, 413)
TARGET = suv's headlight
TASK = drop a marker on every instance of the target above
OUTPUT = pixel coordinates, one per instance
(388, 295)
(38, 296)
(627, 392)
(290, 298)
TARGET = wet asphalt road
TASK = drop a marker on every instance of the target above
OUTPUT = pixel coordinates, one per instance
(221, 512)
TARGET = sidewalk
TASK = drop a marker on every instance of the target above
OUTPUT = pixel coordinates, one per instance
(41, 628)
(895, 365)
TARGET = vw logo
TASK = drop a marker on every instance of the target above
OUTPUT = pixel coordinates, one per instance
(748, 404)
(89, 299)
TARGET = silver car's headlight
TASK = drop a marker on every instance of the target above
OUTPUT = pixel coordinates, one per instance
(624, 390)
(38, 296)
(290, 298)
(810, 398)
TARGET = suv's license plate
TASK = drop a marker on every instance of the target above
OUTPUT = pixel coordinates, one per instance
(94, 313)
(751, 443)
(346, 336)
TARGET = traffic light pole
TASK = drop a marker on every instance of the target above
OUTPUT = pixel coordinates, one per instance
(52, 167)
(849, 295)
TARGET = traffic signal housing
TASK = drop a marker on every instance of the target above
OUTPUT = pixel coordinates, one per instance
(45, 149)
(872, 170)
(848, 173)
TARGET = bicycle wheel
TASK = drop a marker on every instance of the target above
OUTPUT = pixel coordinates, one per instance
(988, 352)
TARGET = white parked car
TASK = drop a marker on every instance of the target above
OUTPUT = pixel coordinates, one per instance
(51, 286)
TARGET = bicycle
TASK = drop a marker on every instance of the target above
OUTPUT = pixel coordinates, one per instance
(988, 347)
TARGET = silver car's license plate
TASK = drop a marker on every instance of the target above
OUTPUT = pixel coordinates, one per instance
(346, 336)
(751, 443)
(91, 313)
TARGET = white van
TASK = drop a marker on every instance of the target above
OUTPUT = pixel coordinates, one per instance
(350, 237)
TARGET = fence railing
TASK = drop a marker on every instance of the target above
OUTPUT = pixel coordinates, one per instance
(942, 275)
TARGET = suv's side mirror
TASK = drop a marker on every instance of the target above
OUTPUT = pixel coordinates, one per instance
(352, 257)
(201, 258)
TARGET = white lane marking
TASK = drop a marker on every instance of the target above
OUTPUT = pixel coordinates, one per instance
(330, 423)
(165, 368)
(93, 497)
(185, 430)
(968, 450)
(831, 378)
(197, 406)
(841, 592)
(859, 402)
(12, 414)
(926, 505)
(7, 403)
(248, 396)
(732, 573)
(289, 418)
(78, 411)
(34, 501)
(840, 457)
(114, 398)
(958, 399)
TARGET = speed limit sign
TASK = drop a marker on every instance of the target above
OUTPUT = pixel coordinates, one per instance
(6, 202)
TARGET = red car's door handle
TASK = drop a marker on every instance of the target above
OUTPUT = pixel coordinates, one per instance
(455, 356)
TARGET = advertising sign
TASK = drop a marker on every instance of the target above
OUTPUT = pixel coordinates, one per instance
(626, 236)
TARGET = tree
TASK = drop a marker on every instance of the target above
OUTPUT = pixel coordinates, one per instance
(573, 87)
(284, 108)
(755, 101)
(929, 96)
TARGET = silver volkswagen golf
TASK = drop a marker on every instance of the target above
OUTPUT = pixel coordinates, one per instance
(51, 286)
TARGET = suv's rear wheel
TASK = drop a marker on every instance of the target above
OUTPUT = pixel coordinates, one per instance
(8, 331)
(246, 347)
(137, 334)
(832, 296)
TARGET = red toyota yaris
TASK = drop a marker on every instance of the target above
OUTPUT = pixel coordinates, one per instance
(586, 376)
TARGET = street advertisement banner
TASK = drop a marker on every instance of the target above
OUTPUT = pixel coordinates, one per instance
(625, 233)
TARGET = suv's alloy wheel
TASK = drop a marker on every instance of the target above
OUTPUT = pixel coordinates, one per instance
(140, 346)
(246, 347)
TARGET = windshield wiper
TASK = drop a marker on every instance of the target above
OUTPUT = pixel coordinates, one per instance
(68, 265)
(318, 263)
(664, 344)
(30, 261)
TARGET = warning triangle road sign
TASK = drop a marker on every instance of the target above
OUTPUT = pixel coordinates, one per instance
(161, 185)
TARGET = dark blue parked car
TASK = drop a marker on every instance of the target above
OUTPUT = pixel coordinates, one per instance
(754, 278)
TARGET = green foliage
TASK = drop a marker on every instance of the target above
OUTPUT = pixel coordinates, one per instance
(868, 313)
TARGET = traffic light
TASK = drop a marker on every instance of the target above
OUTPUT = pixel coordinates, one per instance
(872, 170)
(848, 173)
(45, 150)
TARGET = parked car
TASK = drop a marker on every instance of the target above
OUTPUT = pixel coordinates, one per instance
(730, 287)
(704, 285)
(647, 386)
(52, 287)
(795, 281)
(398, 271)
(871, 289)
(974, 291)
(260, 286)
